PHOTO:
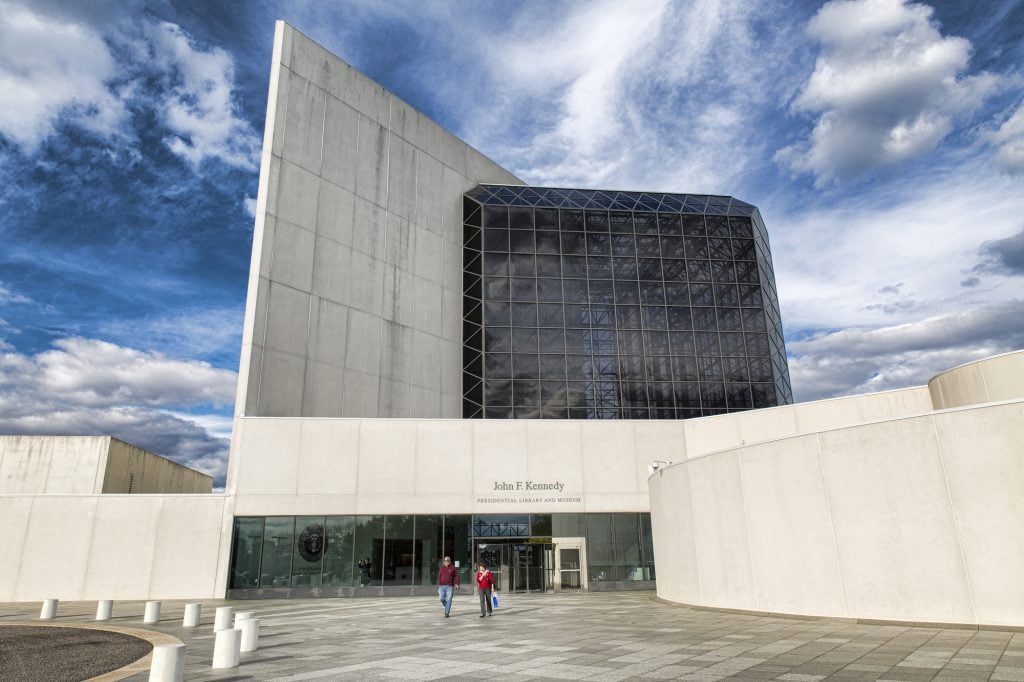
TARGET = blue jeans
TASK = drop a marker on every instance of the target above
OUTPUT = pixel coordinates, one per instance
(446, 592)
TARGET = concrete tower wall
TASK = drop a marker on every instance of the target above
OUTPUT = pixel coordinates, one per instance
(355, 292)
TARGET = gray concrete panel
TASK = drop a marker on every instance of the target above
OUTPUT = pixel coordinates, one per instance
(364, 337)
(401, 179)
(287, 319)
(366, 283)
(429, 181)
(428, 264)
(368, 227)
(426, 363)
(322, 394)
(360, 399)
(304, 124)
(292, 255)
(331, 264)
(335, 212)
(297, 196)
(372, 161)
(340, 130)
(428, 306)
(396, 352)
(426, 402)
(328, 331)
(280, 388)
(398, 242)
(395, 398)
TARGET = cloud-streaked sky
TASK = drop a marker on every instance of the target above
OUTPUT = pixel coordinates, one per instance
(883, 141)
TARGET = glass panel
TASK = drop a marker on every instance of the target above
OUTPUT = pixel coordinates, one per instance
(245, 555)
(429, 540)
(308, 557)
(567, 525)
(548, 242)
(521, 241)
(369, 550)
(501, 525)
(338, 556)
(458, 546)
(549, 266)
(495, 216)
(399, 551)
(572, 221)
(520, 218)
(574, 243)
(276, 565)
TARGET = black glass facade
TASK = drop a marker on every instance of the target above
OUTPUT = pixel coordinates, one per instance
(399, 554)
(585, 304)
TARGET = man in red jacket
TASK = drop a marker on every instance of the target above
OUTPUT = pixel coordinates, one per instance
(447, 579)
(484, 581)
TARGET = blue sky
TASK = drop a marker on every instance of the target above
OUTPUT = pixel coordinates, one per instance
(882, 140)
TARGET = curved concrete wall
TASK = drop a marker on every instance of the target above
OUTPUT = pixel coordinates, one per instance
(1000, 377)
(912, 519)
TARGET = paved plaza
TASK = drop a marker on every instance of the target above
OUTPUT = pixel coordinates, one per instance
(621, 636)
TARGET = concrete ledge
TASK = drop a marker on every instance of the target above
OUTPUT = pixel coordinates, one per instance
(841, 619)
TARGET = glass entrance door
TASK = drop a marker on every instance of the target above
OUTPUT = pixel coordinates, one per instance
(518, 565)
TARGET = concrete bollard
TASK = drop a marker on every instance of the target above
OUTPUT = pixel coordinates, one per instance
(226, 648)
(250, 628)
(223, 619)
(152, 613)
(168, 663)
(49, 611)
(104, 609)
(243, 615)
(192, 614)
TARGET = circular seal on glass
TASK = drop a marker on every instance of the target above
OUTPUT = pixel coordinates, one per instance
(311, 542)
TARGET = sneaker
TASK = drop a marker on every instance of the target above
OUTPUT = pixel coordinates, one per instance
(481, 615)
(446, 615)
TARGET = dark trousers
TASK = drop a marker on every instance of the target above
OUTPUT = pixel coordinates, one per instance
(485, 600)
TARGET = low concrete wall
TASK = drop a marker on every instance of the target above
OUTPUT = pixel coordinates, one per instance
(85, 547)
(78, 465)
(913, 519)
(130, 469)
(1000, 377)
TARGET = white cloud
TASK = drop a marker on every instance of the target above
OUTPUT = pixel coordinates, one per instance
(8, 297)
(1008, 138)
(887, 87)
(90, 71)
(189, 333)
(867, 359)
(249, 204)
(832, 261)
(52, 68)
(199, 107)
(97, 374)
(657, 95)
(86, 386)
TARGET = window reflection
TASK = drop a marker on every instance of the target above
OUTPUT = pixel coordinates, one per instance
(643, 295)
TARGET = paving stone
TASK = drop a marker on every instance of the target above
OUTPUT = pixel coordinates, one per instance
(603, 637)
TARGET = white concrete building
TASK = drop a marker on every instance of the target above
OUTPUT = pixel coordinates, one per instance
(352, 469)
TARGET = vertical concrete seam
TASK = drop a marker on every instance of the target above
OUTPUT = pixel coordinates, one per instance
(384, 260)
(956, 520)
(984, 382)
(80, 594)
(153, 545)
(693, 535)
(832, 524)
(746, 527)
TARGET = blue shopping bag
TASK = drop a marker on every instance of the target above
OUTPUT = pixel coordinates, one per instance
(494, 600)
